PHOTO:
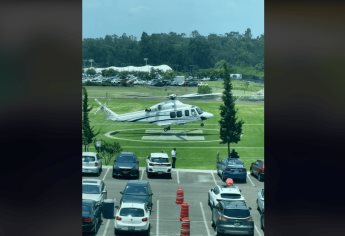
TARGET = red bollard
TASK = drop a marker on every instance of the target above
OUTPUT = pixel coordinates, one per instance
(185, 227)
(184, 210)
(179, 195)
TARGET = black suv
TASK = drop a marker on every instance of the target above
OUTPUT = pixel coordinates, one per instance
(126, 164)
(91, 215)
(137, 191)
(232, 168)
(232, 217)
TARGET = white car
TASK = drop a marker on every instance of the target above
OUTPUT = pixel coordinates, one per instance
(133, 218)
(158, 163)
(94, 189)
(92, 163)
(224, 193)
(261, 200)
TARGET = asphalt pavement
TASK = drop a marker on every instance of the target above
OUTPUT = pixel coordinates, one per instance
(165, 216)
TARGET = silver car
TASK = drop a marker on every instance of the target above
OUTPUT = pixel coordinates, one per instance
(94, 189)
(92, 163)
(261, 200)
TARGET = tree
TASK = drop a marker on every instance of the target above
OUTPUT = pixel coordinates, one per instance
(230, 127)
(109, 150)
(88, 133)
(91, 71)
(204, 89)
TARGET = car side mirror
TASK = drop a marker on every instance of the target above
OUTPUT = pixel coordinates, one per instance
(211, 189)
(249, 208)
(151, 194)
(104, 191)
(121, 192)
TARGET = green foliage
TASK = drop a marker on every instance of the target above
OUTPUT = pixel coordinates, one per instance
(91, 71)
(204, 89)
(88, 133)
(176, 50)
(230, 128)
(108, 150)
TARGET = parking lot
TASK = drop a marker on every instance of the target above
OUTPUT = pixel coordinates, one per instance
(165, 217)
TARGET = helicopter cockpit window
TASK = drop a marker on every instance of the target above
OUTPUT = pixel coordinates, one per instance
(159, 107)
(199, 111)
(186, 112)
(193, 112)
(172, 114)
(179, 113)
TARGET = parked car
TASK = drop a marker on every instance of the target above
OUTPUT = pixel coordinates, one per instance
(158, 163)
(91, 215)
(232, 168)
(94, 189)
(137, 191)
(132, 218)
(92, 163)
(262, 220)
(257, 169)
(261, 200)
(221, 193)
(126, 164)
(232, 217)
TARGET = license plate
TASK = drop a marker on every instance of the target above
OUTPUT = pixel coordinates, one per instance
(131, 228)
(160, 172)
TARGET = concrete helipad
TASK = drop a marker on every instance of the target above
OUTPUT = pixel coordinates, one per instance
(174, 135)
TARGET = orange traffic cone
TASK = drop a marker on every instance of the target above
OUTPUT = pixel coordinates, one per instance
(179, 195)
(184, 210)
(185, 227)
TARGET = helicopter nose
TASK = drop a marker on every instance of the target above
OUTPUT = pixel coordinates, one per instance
(206, 115)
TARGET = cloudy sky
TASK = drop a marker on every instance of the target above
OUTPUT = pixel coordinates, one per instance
(108, 17)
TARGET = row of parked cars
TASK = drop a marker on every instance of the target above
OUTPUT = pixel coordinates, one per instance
(134, 210)
(230, 212)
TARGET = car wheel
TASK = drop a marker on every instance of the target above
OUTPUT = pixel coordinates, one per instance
(213, 224)
(116, 232)
(170, 176)
(223, 178)
(94, 231)
(259, 177)
(148, 175)
(251, 171)
(257, 203)
(262, 218)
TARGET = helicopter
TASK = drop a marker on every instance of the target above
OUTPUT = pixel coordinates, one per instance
(167, 113)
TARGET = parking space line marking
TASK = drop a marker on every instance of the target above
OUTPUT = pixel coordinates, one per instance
(256, 228)
(157, 225)
(203, 216)
(106, 227)
(106, 174)
(250, 180)
(214, 179)
(177, 177)
(142, 174)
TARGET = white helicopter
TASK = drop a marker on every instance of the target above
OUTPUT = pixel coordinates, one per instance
(166, 113)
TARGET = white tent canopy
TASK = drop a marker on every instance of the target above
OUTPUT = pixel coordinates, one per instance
(147, 68)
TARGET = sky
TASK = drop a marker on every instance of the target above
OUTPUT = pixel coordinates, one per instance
(133, 17)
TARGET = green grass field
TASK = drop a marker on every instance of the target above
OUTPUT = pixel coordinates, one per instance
(190, 154)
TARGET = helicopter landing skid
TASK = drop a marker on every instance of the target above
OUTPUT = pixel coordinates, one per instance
(166, 129)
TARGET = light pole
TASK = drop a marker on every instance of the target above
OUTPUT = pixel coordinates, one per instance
(146, 63)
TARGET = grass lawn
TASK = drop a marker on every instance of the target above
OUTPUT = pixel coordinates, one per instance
(190, 154)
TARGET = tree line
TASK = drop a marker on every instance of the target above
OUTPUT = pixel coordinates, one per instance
(182, 53)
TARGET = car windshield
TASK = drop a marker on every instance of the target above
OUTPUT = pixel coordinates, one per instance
(127, 159)
(91, 189)
(160, 159)
(235, 162)
(230, 196)
(136, 189)
(88, 158)
(134, 212)
(86, 209)
(238, 213)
